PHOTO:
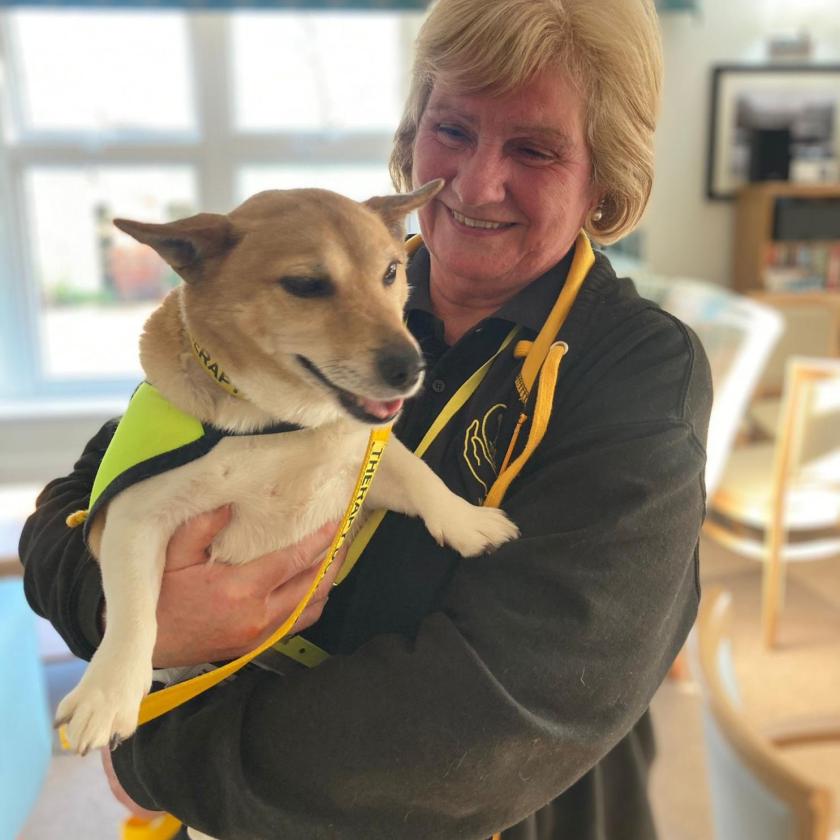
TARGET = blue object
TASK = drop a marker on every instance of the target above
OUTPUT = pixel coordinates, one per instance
(25, 733)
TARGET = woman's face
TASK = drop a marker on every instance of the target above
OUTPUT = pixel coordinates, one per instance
(518, 184)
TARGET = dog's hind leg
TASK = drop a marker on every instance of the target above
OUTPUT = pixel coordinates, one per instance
(103, 707)
(405, 484)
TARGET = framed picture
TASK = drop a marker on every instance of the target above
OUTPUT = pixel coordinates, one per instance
(772, 122)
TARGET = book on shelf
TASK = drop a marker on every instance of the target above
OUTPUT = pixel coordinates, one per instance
(800, 267)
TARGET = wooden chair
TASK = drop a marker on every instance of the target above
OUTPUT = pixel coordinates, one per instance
(811, 328)
(756, 792)
(780, 501)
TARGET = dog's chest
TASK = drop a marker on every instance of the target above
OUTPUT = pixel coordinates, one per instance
(282, 487)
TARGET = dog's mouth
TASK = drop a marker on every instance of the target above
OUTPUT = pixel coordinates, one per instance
(362, 408)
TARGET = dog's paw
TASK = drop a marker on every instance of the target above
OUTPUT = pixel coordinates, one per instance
(102, 709)
(469, 529)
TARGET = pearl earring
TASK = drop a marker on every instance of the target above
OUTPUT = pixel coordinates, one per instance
(597, 214)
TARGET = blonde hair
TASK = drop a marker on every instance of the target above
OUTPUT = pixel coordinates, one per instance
(610, 49)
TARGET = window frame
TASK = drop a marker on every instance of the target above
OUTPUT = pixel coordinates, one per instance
(216, 152)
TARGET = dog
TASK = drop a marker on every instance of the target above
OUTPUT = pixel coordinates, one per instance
(293, 303)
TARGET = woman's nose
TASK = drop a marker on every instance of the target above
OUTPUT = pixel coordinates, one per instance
(481, 178)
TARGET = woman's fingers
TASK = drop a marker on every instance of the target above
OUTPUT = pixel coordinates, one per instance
(212, 612)
(286, 598)
(191, 540)
(273, 570)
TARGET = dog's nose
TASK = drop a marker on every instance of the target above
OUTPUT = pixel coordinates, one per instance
(400, 367)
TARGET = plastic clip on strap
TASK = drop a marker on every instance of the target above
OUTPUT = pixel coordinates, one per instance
(164, 827)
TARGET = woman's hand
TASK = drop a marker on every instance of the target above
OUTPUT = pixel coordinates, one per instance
(211, 612)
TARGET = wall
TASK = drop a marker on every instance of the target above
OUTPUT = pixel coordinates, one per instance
(685, 234)
(41, 442)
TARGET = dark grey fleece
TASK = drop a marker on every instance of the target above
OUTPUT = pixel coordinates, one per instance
(464, 696)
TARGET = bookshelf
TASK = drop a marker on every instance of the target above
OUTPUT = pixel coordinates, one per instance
(787, 238)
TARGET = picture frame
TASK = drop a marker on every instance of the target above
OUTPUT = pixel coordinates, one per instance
(771, 122)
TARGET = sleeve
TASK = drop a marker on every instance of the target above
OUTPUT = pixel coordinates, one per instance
(545, 655)
(61, 578)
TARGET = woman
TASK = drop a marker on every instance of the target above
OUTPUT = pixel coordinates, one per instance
(507, 693)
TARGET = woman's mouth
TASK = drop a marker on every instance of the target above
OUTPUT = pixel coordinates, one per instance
(477, 224)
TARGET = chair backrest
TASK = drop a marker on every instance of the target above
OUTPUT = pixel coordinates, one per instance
(811, 328)
(805, 485)
(755, 791)
(738, 335)
(811, 416)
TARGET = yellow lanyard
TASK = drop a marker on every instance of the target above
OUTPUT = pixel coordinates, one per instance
(449, 411)
(544, 351)
(168, 698)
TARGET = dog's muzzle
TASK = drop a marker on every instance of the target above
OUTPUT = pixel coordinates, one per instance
(400, 367)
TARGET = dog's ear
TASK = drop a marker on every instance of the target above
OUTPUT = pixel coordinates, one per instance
(394, 208)
(186, 244)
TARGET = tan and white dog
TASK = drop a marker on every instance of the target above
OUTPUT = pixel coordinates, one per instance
(300, 295)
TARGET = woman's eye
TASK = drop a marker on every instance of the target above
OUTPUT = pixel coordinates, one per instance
(536, 155)
(390, 274)
(451, 134)
(307, 287)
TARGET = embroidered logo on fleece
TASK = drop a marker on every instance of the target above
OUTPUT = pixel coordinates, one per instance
(480, 448)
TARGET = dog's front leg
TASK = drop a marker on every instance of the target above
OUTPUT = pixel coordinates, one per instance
(406, 484)
(103, 707)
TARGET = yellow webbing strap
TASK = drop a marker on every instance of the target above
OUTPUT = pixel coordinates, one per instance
(450, 410)
(551, 354)
(542, 414)
(162, 701)
(163, 827)
(582, 261)
(542, 358)
(156, 704)
(543, 349)
(412, 244)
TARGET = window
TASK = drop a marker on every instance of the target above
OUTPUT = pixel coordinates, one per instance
(156, 115)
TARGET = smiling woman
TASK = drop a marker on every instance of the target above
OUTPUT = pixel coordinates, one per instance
(519, 189)
(507, 693)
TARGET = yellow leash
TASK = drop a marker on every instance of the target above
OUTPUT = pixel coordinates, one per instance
(156, 704)
(542, 361)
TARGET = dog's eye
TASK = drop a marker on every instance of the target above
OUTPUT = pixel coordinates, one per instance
(307, 287)
(390, 274)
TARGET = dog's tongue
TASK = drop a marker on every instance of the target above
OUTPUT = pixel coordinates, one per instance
(383, 409)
